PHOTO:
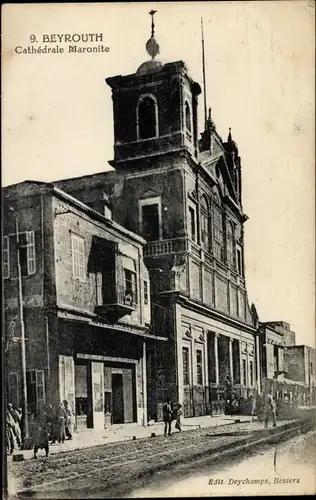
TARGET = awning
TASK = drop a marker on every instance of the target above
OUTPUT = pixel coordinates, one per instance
(127, 262)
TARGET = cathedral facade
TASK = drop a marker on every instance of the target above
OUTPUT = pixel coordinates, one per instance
(182, 192)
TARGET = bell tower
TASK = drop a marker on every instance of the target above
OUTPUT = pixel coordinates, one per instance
(155, 109)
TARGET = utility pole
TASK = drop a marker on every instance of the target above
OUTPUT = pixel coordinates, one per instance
(22, 329)
(4, 420)
(48, 356)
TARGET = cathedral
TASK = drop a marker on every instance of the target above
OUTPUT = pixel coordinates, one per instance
(181, 190)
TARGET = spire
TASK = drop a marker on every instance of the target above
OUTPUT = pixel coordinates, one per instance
(229, 139)
(152, 46)
(204, 79)
(152, 13)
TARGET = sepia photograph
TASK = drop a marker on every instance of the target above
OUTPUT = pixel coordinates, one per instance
(158, 249)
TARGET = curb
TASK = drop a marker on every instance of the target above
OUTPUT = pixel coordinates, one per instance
(131, 438)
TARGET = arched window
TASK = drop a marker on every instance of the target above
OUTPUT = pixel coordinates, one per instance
(205, 224)
(230, 245)
(147, 117)
(188, 122)
(218, 229)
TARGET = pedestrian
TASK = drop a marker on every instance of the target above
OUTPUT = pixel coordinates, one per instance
(54, 425)
(178, 420)
(234, 407)
(16, 427)
(61, 420)
(167, 416)
(69, 420)
(269, 409)
(40, 431)
(9, 431)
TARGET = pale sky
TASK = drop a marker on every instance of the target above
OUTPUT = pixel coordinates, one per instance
(57, 116)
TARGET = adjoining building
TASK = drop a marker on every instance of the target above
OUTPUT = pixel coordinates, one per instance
(183, 194)
(300, 381)
(287, 368)
(86, 306)
(271, 358)
(284, 329)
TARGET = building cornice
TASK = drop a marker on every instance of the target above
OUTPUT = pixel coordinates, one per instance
(70, 313)
(210, 312)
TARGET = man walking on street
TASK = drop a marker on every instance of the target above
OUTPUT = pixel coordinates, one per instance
(269, 409)
(167, 416)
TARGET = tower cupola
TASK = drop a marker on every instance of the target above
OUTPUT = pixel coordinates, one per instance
(153, 50)
(155, 109)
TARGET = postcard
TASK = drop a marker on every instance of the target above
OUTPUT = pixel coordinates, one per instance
(158, 263)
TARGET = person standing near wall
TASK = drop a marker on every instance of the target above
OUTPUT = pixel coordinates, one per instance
(69, 420)
(178, 421)
(269, 409)
(9, 428)
(16, 428)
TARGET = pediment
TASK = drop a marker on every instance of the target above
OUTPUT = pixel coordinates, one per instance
(151, 193)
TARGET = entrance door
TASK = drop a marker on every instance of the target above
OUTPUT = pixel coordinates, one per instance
(117, 398)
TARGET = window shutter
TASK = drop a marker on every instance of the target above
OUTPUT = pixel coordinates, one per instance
(40, 388)
(5, 257)
(30, 239)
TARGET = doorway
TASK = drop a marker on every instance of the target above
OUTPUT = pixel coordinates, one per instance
(117, 398)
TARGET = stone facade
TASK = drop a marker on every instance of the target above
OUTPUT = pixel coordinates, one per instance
(185, 200)
(86, 297)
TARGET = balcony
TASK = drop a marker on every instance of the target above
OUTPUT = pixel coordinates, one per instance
(165, 247)
(120, 304)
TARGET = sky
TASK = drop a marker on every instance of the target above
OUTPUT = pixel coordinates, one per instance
(57, 117)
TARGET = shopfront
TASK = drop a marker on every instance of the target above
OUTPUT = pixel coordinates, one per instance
(105, 392)
(102, 391)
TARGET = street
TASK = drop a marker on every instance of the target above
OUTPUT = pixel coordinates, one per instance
(152, 467)
(288, 468)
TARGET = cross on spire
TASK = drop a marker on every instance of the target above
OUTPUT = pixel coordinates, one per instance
(152, 46)
(152, 13)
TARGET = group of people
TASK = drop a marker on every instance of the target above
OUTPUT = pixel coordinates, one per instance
(45, 425)
(170, 414)
(50, 425)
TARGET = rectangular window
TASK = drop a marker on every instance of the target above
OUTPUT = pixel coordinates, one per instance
(218, 234)
(131, 284)
(185, 363)
(239, 262)
(199, 368)
(31, 390)
(251, 372)
(192, 225)
(13, 389)
(275, 358)
(145, 292)
(205, 239)
(27, 253)
(244, 372)
(78, 258)
(40, 388)
(35, 383)
(150, 222)
(5, 257)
